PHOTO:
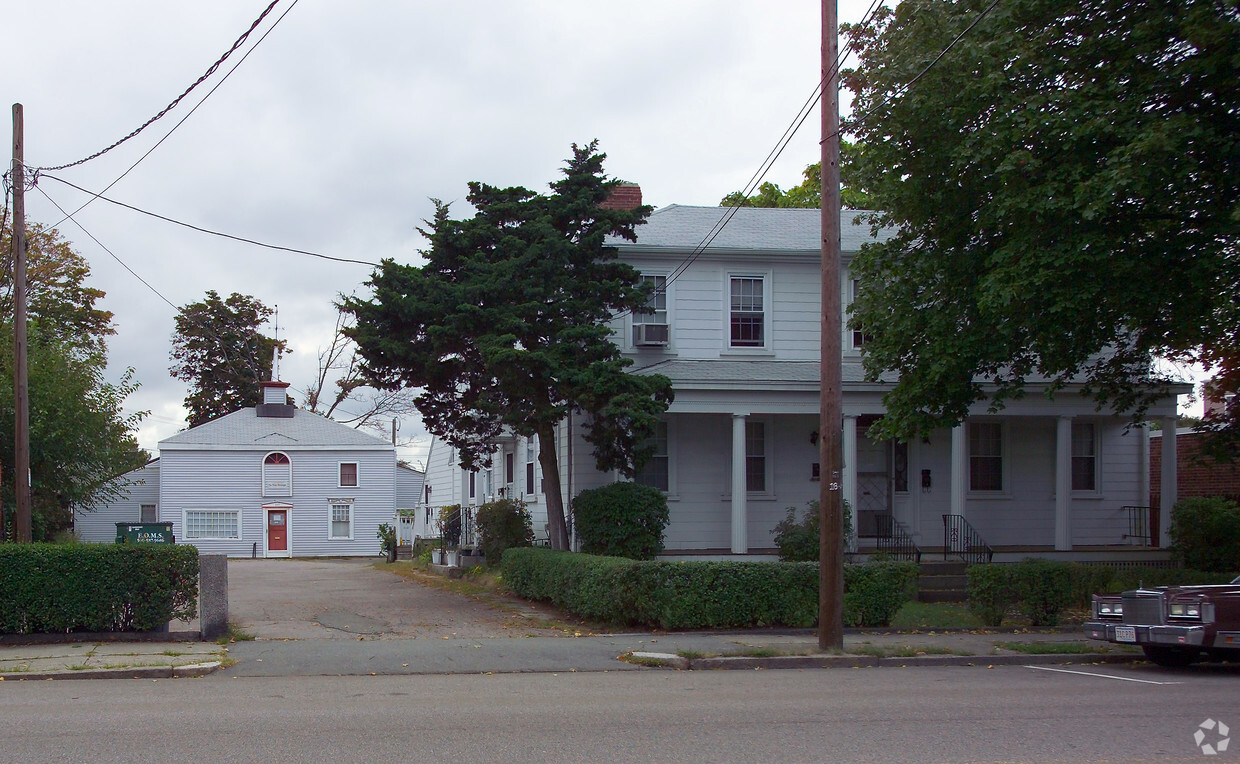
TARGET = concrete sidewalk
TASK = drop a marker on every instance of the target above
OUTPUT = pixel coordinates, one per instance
(756, 649)
(109, 660)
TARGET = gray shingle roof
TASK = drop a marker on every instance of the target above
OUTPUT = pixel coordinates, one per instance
(758, 229)
(245, 429)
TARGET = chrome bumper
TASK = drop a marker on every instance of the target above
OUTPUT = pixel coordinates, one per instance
(1193, 636)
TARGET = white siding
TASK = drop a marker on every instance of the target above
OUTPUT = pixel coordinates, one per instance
(98, 524)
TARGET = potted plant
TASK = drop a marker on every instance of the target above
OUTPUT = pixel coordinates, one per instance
(449, 534)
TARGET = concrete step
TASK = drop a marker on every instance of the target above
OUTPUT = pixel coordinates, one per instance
(943, 568)
(944, 582)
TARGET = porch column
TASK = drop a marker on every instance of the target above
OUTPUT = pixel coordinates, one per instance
(1063, 483)
(960, 469)
(1168, 496)
(1143, 466)
(740, 514)
(848, 480)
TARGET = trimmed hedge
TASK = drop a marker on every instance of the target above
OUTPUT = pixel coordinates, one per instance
(621, 520)
(697, 595)
(55, 588)
(1205, 534)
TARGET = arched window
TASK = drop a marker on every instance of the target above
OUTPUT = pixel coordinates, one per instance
(277, 475)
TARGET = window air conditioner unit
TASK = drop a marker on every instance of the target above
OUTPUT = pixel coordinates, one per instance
(650, 335)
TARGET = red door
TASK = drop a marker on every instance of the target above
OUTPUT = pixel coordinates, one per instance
(277, 530)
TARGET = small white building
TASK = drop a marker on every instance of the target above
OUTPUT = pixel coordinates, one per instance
(268, 481)
(736, 327)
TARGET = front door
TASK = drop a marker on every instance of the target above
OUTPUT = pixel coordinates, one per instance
(277, 532)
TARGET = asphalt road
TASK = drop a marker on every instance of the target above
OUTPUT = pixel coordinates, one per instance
(1010, 714)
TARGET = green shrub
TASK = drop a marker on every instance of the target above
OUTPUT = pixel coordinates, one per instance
(621, 520)
(387, 541)
(450, 525)
(1205, 534)
(1043, 588)
(699, 595)
(990, 592)
(875, 592)
(798, 537)
(96, 587)
(1135, 578)
(503, 524)
(1088, 580)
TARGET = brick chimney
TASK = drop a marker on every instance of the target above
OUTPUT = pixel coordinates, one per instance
(627, 196)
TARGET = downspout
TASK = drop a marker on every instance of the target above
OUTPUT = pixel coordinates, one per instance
(568, 515)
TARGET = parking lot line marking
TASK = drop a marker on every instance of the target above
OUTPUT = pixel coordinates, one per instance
(1103, 676)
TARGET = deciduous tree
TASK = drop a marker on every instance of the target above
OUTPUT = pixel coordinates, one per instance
(1064, 187)
(505, 327)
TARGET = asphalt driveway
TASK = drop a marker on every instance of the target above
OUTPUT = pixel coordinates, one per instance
(353, 599)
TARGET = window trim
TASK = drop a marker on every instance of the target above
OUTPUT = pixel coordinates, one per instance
(185, 526)
(266, 458)
(768, 448)
(670, 426)
(142, 506)
(765, 276)
(1005, 477)
(357, 477)
(531, 459)
(331, 508)
(1096, 456)
(636, 319)
(856, 338)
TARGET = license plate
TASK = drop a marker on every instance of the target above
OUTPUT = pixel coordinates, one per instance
(1125, 634)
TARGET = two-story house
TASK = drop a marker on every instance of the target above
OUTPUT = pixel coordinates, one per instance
(266, 481)
(735, 326)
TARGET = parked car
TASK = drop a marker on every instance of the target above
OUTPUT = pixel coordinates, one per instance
(1173, 625)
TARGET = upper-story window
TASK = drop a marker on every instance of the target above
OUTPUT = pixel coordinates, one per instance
(747, 312)
(859, 338)
(277, 475)
(348, 474)
(652, 329)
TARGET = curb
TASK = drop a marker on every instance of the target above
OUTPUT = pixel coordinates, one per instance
(869, 661)
(191, 671)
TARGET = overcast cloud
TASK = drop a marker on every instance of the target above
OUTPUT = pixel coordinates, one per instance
(339, 127)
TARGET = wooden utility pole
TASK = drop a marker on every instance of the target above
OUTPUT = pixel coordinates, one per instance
(830, 425)
(21, 401)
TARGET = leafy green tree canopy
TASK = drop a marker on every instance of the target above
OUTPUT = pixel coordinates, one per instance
(809, 192)
(218, 349)
(505, 327)
(1064, 187)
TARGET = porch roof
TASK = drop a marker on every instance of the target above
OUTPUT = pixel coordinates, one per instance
(802, 376)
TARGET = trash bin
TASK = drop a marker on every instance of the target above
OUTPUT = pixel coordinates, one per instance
(144, 533)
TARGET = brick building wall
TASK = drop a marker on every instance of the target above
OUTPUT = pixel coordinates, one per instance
(1193, 477)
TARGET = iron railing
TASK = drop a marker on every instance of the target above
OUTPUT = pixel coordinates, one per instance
(895, 540)
(1138, 525)
(963, 540)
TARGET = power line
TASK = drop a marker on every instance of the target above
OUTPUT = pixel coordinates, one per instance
(210, 71)
(207, 230)
(182, 121)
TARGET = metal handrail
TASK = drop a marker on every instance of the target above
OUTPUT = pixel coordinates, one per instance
(1138, 524)
(961, 538)
(895, 540)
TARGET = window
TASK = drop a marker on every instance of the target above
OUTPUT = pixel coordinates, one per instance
(658, 304)
(508, 468)
(1084, 457)
(859, 338)
(755, 457)
(473, 484)
(277, 475)
(212, 524)
(530, 451)
(341, 526)
(985, 456)
(148, 513)
(899, 465)
(747, 317)
(348, 474)
(655, 473)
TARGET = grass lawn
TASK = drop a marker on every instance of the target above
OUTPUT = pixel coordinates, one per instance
(935, 615)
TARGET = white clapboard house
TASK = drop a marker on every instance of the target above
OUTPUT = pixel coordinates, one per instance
(736, 329)
(267, 481)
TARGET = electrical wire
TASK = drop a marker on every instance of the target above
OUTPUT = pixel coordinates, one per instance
(207, 230)
(210, 71)
(182, 121)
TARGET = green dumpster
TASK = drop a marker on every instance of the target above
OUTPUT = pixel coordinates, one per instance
(144, 533)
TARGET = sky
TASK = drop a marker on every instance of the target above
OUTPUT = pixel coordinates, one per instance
(338, 128)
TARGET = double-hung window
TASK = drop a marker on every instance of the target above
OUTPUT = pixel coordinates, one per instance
(859, 337)
(651, 328)
(148, 513)
(656, 471)
(747, 312)
(348, 474)
(985, 456)
(755, 457)
(1084, 457)
(531, 453)
(340, 522)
